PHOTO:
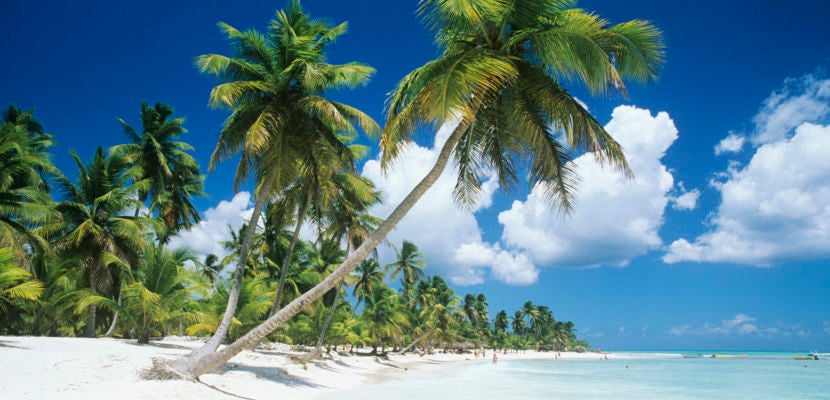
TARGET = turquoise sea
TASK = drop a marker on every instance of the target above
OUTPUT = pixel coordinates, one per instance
(635, 376)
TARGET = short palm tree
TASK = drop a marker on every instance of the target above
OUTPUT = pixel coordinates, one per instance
(275, 85)
(159, 291)
(16, 282)
(499, 77)
(95, 230)
(383, 316)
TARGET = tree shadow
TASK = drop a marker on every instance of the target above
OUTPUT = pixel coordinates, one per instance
(4, 343)
(273, 374)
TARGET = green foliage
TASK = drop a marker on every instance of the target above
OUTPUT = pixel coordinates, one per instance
(500, 77)
(159, 296)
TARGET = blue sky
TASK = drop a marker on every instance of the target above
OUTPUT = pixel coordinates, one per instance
(722, 240)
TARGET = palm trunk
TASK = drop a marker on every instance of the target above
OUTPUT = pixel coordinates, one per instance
(236, 287)
(318, 350)
(194, 367)
(286, 263)
(416, 341)
(89, 329)
(111, 330)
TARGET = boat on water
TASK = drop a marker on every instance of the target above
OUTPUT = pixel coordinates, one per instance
(692, 355)
(728, 355)
(807, 357)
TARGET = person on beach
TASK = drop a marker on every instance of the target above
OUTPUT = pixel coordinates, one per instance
(495, 357)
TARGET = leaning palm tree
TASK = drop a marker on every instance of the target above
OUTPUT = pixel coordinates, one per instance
(94, 230)
(275, 85)
(498, 81)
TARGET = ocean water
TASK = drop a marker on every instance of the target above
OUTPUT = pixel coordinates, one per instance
(636, 376)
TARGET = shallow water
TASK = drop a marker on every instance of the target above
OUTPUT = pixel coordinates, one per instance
(638, 376)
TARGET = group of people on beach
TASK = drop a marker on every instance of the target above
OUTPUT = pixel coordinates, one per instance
(484, 355)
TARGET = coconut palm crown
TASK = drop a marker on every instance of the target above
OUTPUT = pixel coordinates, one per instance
(501, 75)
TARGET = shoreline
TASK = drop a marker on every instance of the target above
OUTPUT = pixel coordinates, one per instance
(84, 368)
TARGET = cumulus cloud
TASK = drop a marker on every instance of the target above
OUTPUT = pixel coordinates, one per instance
(436, 225)
(207, 236)
(615, 219)
(775, 209)
(730, 144)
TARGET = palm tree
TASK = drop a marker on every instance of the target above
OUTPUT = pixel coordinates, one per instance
(275, 85)
(94, 230)
(210, 268)
(518, 323)
(498, 77)
(172, 173)
(322, 191)
(531, 314)
(16, 282)
(500, 322)
(25, 204)
(409, 263)
(159, 292)
(382, 316)
(368, 276)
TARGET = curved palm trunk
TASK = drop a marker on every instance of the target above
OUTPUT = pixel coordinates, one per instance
(319, 349)
(111, 330)
(417, 340)
(287, 261)
(236, 287)
(194, 367)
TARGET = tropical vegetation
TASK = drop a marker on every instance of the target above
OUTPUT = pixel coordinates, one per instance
(96, 260)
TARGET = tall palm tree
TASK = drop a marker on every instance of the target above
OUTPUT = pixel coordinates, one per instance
(499, 78)
(25, 204)
(172, 173)
(500, 322)
(531, 314)
(275, 85)
(95, 230)
(409, 263)
(518, 323)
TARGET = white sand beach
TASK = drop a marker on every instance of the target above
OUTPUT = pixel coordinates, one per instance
(78, 368)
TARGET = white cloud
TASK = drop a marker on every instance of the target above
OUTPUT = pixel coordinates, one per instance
(207, 237)
(614, 219)
(775, 209)
(730, 144)
(805, 99)
(436, 225)
(686, 201)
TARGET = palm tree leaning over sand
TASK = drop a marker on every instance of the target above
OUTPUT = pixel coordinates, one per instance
(498, 78)
(275, 85)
